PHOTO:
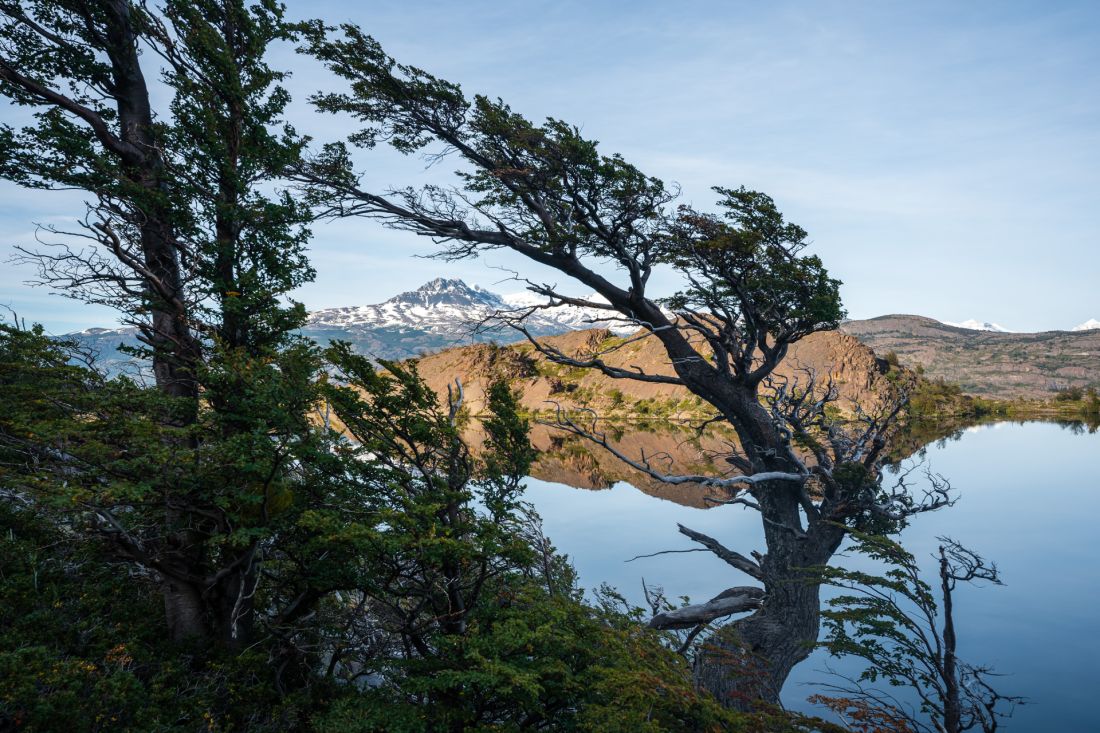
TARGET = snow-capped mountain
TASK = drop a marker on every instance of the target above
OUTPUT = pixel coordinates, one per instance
(451, 307)
(1089, 325)
(975, 325)
(441, 313)
(438, 305)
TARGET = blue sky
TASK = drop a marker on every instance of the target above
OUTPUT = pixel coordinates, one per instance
(945, 157)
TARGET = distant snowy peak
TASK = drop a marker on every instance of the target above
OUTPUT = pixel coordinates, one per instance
(1089, 325)
(571, 317)
(975, 325)
(443, 292)
(104, 332)
(448, 306)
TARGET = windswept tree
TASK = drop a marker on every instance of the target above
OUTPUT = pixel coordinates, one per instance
(461, 614)
(185, 234)
(546, 192)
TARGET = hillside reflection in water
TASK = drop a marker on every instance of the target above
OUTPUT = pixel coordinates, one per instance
(1025, 498)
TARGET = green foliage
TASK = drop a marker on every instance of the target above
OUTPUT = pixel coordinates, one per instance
(82, 646)
(1069, 394)
(540, 661)
(935, 397)
(476, 622)
(752, 266)
(205, 478)
(873, 624)
(228, 142)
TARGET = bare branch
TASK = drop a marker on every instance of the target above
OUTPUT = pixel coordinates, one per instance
(735, 559)
(726, 603)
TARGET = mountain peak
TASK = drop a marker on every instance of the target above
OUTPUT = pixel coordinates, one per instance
(446, 291)
(445, 284)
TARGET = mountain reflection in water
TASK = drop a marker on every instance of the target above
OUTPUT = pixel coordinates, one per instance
(671, 449)
(674, 448)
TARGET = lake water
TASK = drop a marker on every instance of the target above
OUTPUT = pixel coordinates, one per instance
(1028, 498)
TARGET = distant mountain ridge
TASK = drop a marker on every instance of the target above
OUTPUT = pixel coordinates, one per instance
(446, 312)
(987, 363)
(441, 313)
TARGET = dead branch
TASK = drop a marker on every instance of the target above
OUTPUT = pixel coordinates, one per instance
(730, 601)
(735, 559)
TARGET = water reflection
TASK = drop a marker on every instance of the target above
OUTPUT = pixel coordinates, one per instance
(1024, 492)
(671, 448)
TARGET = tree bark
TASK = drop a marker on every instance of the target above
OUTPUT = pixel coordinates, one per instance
(184, 610)
(174, 347)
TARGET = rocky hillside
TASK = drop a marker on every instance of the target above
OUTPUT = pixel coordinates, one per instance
(860, 377)
(987, 363)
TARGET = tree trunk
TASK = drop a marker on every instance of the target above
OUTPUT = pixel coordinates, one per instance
(750, 660)
(184, 610)
(174, 347)
(175, 350)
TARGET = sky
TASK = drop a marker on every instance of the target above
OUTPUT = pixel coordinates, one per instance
(944, 156)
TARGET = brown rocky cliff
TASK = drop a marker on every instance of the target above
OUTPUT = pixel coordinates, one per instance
(860, 377)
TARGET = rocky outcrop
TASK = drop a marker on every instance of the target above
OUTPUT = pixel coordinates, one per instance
(860, 377)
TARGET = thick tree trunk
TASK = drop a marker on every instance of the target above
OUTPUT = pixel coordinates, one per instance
(184, 610)
(751, 659)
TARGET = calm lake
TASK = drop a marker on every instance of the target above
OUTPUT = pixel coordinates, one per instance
(1027, 500)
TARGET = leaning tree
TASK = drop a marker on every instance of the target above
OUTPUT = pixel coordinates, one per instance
(199, 481)
(546, 192)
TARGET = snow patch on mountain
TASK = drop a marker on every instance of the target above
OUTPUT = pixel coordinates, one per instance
(571, 317)
(1089, 325)
(976, 325)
